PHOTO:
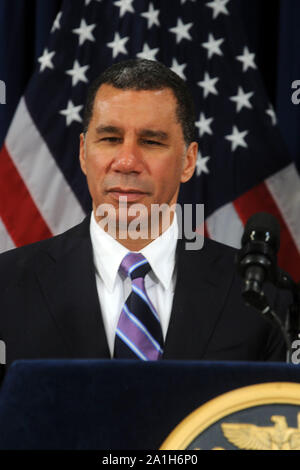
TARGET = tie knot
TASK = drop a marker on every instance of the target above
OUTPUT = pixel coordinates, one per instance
(134, 265)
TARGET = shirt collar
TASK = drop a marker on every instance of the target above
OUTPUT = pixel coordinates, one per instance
(108, 254)
(161, 254)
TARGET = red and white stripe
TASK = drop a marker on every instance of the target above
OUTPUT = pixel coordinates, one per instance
(278, 195)
(36, 201)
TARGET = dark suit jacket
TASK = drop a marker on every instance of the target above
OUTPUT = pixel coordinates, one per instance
(49, 306)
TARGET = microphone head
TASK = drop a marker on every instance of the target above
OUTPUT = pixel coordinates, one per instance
(262, 227)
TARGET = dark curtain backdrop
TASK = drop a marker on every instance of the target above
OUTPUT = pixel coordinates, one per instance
(272, 27)
(31, 21)
(289, 71)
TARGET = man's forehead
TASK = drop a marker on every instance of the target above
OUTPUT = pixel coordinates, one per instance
(108, 92)
(151, 109)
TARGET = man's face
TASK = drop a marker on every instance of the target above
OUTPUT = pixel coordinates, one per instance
(134, 147)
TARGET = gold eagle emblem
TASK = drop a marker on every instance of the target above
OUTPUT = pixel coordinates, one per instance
(251, 437)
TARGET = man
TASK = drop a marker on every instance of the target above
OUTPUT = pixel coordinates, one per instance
(78, 295)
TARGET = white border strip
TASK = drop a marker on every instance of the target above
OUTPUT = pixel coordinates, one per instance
(6, 242)
(285, 189)
(44, 180)
(225, 226)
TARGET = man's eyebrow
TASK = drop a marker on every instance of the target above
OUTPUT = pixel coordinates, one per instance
(153, 134)
(149, 133)
(108, 129)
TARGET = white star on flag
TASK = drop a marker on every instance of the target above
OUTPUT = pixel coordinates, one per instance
(181, 31)
(204, 125)
(218, 7)
(84, 32)
(242, 99)
(183, 1)
(178, 68)
(71, 113)
(152, 16)
(78, 73)
(124, 5)
(213, 46)
(237, 138)
(147, 53)
(247, 59)
(270, 111)
(56, 23)
(45, 60)
(201, 164)
(208, 85)
(118, 45)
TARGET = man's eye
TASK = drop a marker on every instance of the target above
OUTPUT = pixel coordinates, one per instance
(110, 139)
(151, 142)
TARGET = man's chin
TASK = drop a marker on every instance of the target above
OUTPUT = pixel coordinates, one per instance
(130, 223)
(133, 220)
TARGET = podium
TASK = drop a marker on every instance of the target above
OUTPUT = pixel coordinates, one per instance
(114, 404)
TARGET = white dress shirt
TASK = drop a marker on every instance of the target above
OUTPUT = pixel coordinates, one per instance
(113, 290)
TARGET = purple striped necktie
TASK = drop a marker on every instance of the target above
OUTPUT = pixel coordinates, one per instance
(138, 334)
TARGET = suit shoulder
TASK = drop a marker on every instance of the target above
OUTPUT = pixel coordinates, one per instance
(212, 249)
(14, 263)
(219, 247)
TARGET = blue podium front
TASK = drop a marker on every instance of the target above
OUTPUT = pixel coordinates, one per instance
(94, 404)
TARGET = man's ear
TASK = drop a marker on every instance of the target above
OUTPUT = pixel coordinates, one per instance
(82, 153)
(189, 163)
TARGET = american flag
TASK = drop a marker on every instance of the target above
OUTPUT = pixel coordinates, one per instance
(242, 167)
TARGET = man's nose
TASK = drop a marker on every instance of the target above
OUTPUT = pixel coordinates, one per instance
(127, 158)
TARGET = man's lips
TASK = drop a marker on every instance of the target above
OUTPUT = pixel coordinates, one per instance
(130, 193)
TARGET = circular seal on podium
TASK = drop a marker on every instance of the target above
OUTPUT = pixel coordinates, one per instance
(257, 417)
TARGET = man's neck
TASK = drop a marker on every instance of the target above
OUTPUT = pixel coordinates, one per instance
(134, 245)
(131, 241)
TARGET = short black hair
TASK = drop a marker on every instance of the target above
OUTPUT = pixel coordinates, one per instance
(143, 74)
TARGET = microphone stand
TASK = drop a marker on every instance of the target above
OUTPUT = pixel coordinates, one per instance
(291, 330)
(264, 308)
(257, 263)
(292, 327)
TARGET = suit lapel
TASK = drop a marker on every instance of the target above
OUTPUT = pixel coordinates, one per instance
(203, 280)
(66, 276)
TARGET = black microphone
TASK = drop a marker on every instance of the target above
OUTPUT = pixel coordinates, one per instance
(257, 258)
